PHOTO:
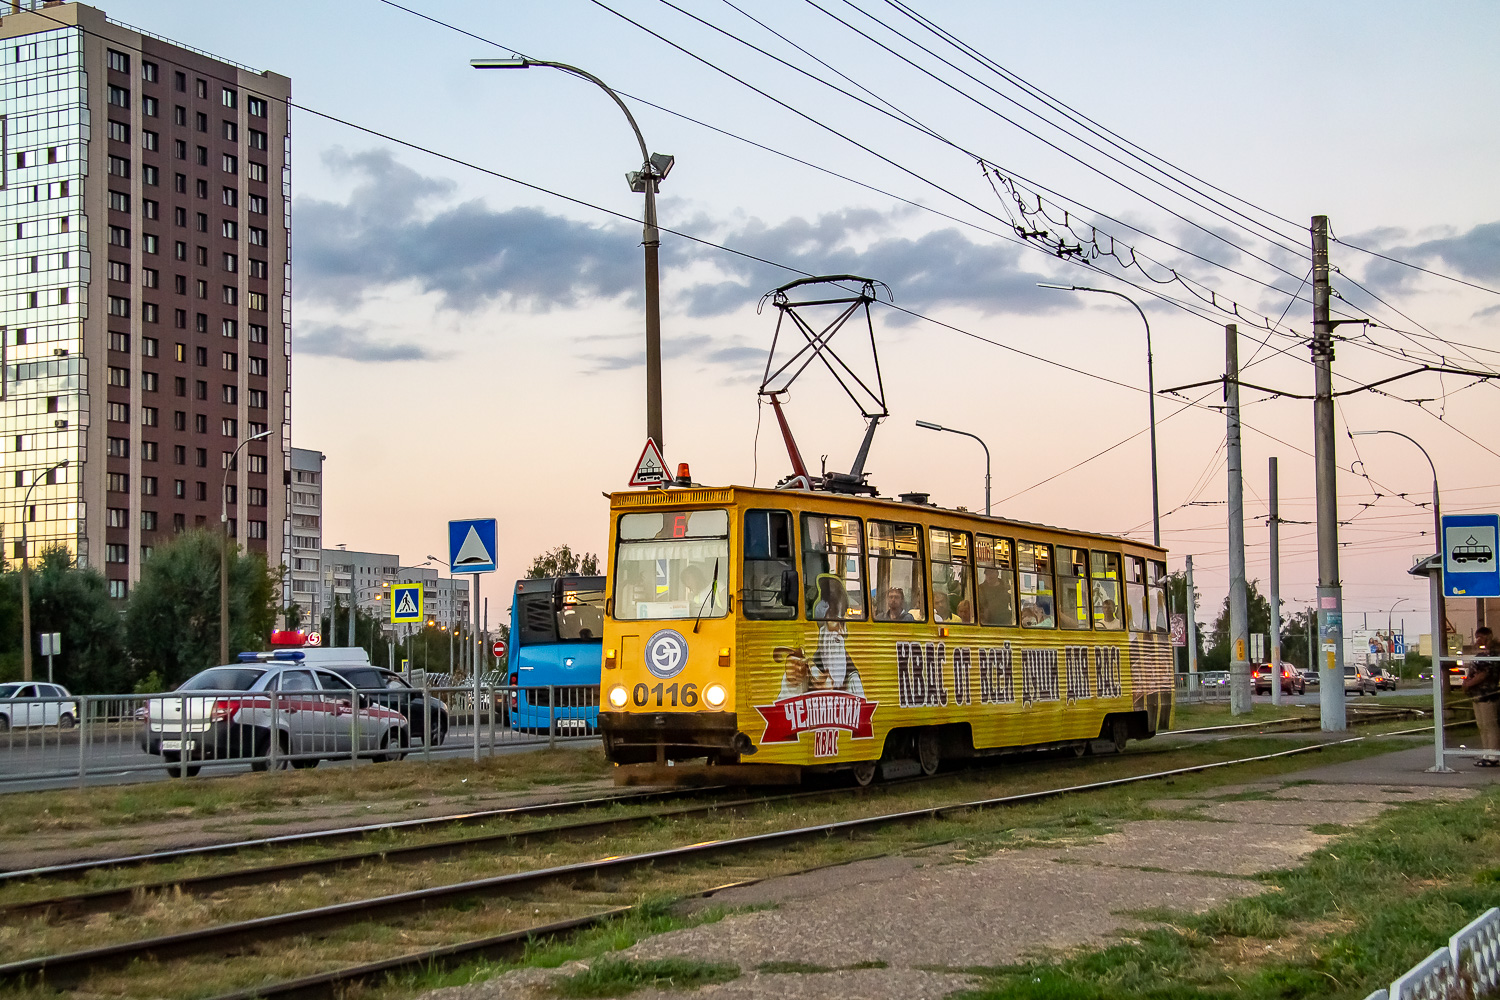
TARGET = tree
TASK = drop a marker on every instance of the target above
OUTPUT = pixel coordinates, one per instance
(1294, 636)
(73, 601)
(563, 561)
(172, 621)
(1218, 655)
(1177, 597)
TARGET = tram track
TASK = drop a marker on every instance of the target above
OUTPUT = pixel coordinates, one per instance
(62, 970)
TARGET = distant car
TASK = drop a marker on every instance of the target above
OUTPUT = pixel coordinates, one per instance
(1309, 678)
(26, 705)
(1358, 679)
(237, 710)
(1292, 682)
(1213, 678)
(1385, 680)
(388, 688)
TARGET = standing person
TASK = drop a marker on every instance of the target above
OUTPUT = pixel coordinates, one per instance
(1482, 683)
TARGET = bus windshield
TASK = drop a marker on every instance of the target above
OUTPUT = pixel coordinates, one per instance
(570, 609)
(672, 564)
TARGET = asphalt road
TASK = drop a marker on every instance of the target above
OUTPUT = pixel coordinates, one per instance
(44, 752)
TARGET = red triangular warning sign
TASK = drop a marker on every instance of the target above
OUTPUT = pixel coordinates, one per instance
(651, 470)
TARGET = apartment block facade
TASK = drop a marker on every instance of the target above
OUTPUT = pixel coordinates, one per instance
(305, 499)
(144, 291)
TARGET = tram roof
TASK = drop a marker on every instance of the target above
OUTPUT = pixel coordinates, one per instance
(697, 495)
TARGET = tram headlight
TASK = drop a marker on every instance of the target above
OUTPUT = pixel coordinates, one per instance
(618, 696)
(714, 694)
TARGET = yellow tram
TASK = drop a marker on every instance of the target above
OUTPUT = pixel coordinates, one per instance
(781, 629)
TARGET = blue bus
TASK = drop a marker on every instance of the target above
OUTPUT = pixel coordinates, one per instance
(556, 640)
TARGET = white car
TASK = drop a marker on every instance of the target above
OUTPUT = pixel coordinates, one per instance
(25, 704)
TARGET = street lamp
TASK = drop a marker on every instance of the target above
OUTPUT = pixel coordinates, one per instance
(929, 425)
(1150, 395)
(26, 574)
(654, 169)
(224, 545)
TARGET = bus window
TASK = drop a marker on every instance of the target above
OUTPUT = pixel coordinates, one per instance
(1034, 567)
(1104, 587)
(672, 564)
(830, 567)
(896, 586)
(997, 581)
(1156, 596)
(1072, 587)
(768, 560)
(580, 613)
(1135, 594)
(952, 577)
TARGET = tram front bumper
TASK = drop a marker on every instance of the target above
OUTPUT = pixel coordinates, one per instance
(631, 737)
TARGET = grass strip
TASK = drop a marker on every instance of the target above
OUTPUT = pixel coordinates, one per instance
(1359, 912)
(612, 977)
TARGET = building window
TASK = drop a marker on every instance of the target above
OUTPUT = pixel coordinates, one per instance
(200, 389)
(202, 222)
(201, 323)
(150, 277)
(118, 61)
(148, 520)
(119, 447)
(118, 131)
(119, 341)
(180, 389)
(150, 108)
(148, 451)
(117, 553)
(256, 106)
(179, 316)
(201, 187)
(150, 140)
(200, 122)
(257, 236)
(149, 381)
(150, 209)
(257, 333)
(257, 529)
(231, 164)
(202, 289)
(227, 97)
(232, 197)
(231, 394)
(118, 517)
(179, 149)
(119, 96)
(179, 521)
(257, 139)
(150, 347)
(200, 356)
(257, 366)
(151, 243)
(119, 271)
(232, 295)
(148, 486)
(118, 589)
(179, 250)
(120, 377)
(230, 229)
(119, 412)
(149, 416)
(179, 454)
(202, 156)
(256, 301)
(231, 263)
(231, 132)
(119, 201)
(230, 427)
(256, 496)
(256, 171)
(257, 399)
(118, 482)
(119, 236)
(201, 457)
(179, 489)
(200, 423)
(150, 313)
(179, 217)
(258, 465)
(202, 256)
(202, 491)
(231, 493)
(257, 205)
(231, 329)
(148, 71)
(119, 167)
(231, 361)
(119, 306)
(258, 268)
(150, 175)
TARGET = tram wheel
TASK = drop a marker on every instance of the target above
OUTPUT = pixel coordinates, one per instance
(864, 772)
(929, 751)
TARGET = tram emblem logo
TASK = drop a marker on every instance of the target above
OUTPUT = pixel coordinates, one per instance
(789, 718)
(666, 653)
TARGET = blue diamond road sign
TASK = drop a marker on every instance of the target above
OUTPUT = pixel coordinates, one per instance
(471, 545)
(1470, 568)
(406, 603)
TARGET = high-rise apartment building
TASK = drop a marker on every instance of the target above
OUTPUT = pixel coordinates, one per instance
(305, 573)
(144, 292)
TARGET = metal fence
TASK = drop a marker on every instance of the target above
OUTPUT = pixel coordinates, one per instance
(1204, 687)
(1466, 969)
(84, 739)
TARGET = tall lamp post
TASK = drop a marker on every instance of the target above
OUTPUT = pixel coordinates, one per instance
(654, 169)
(1390, 631)
(1150, 394)
(26, 573)
(229, 466)
(929, 425)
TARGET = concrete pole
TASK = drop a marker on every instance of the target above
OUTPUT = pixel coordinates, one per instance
(1240, 700)
(1192, 630)
(1439, 647)
(1275, 521)
(1330, 590)
(474, 662)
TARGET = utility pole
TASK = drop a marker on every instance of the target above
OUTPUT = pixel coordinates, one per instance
(1192, 630)
(1275, 521)
(1330, 590)
(1240, 701)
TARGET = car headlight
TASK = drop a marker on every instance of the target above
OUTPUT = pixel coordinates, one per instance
(618, 696)
(714, 694)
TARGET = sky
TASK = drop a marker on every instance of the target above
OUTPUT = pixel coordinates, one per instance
(465, 345)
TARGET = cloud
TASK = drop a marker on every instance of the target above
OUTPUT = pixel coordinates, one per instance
(1474, 254)
(346, 342)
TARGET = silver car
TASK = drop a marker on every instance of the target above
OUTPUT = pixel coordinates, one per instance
(26, 704)
(272, 709)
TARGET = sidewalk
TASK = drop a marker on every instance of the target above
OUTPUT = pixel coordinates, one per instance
(909, 927)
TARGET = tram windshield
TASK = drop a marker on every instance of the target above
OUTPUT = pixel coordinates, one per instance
(672, 564)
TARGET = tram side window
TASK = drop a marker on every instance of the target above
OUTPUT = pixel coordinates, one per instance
(1156, 596)
(896, 589)
(997, 581)
(1104, 589)
(1072, 587)
(832, 587)
(952, 577)
(770, 567)
(1135, 594)
(1034, 570)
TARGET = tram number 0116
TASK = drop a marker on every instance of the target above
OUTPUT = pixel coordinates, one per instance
(687, 696)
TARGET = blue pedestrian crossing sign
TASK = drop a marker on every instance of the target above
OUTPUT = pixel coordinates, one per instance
(471, 545)
(406, 603)
(1470, 567)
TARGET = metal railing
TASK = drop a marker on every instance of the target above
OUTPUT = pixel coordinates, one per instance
(85, 739)
(1467, 968)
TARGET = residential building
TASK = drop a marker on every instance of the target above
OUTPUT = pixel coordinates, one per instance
(305, 498)
(369, 575)
(144, 295)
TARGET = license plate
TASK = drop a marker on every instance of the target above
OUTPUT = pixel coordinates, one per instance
(572, 723)
(179, 744)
